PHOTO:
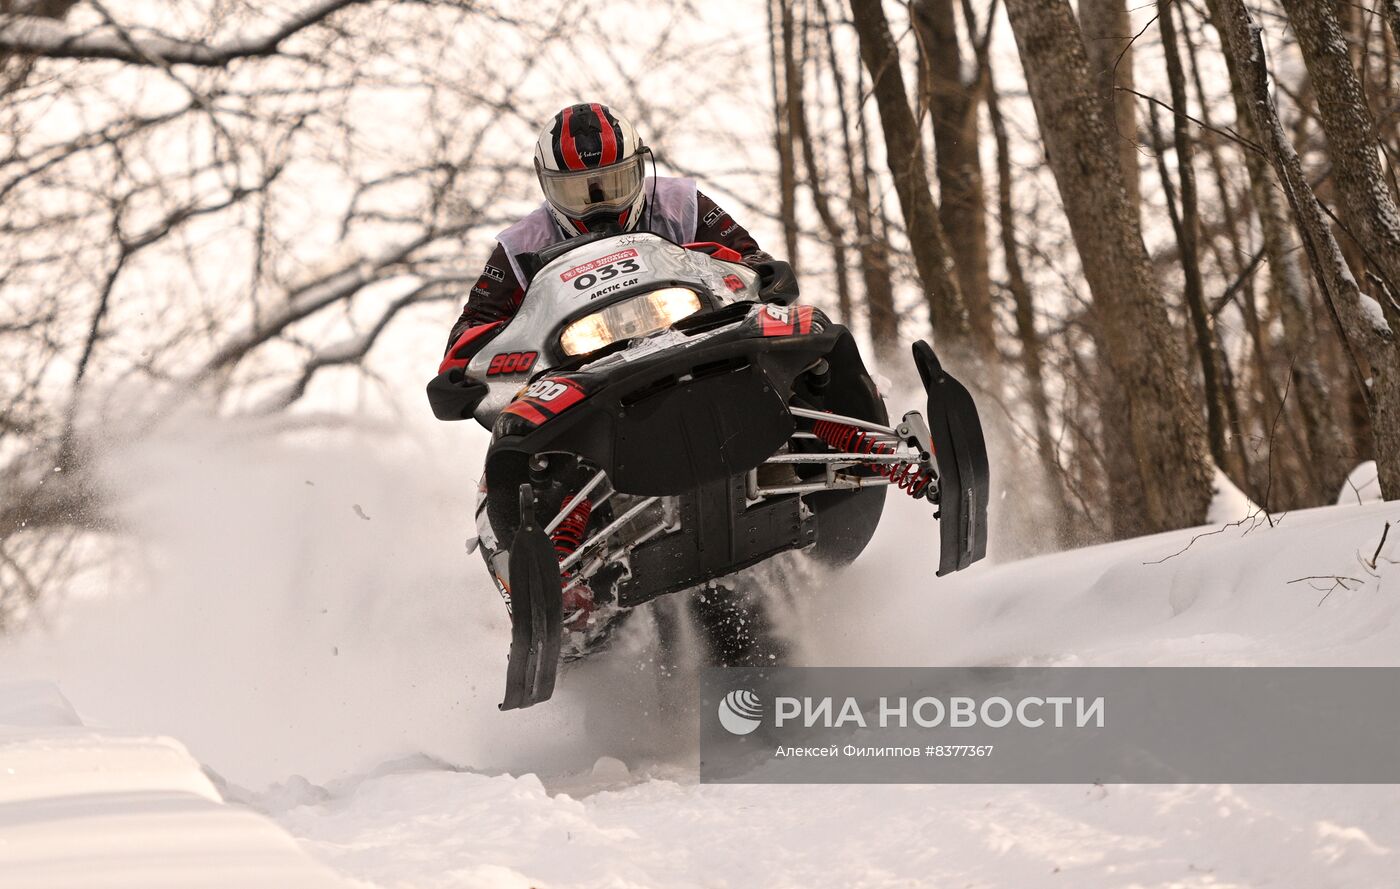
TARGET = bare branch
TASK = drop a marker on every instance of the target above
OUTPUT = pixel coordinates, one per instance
(33, 35)
(313, 296)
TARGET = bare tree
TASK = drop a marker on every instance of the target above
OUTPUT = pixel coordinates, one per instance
(1187, 226)
(1031, 343)
(816, 180)
(229, 215)
(1326, 457)
(953, 101)
(42, 34)
(1161, 477)
(871, 250)
(1367, 325)
(1108, 42)
(1367, 205)
(785, 121)
(908, 167)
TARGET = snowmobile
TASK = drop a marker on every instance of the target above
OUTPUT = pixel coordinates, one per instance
(662, 416)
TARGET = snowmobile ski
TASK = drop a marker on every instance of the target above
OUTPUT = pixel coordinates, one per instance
(536, 611)
(964, 481)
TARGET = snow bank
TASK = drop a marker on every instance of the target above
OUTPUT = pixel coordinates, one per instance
(1228, 503)
(81, 807)
(1239, 593)
(1363, 485)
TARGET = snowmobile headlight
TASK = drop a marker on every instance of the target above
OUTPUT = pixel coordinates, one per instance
(639, 316)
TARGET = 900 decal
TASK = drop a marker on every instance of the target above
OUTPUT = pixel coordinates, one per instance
(546, 390)
(777, 320)
(511, 363)
(545, 399)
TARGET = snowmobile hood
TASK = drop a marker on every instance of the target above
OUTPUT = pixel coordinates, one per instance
(584, 280)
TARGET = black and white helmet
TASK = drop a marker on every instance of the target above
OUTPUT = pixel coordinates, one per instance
(590, 163)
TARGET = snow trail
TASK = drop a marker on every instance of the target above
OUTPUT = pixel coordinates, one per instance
(309, 624)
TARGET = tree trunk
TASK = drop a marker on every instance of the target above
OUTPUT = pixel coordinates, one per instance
(1367, 206)
(905, 154)
(1369, 210)
(1388, 98)
(1108, 40)
(953, 105)
(1328, 453)
(1161, 478)
(780, 43)
(1262, 397)
(1210, 141)
(871, 252)
(1187, 225)
(1032, 348)
(1392, 18)
(884, 316)
(1360, 331)
(835, 234)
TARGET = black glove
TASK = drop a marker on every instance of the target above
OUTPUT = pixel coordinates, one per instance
(454, 395)
(776, 282)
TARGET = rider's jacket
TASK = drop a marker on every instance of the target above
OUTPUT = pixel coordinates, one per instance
(676, 209)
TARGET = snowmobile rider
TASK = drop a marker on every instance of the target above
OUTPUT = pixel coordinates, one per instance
(591, 167)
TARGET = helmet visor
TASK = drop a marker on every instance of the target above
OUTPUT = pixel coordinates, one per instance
(581, 192)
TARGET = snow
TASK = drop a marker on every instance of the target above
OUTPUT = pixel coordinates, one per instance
(339, 669)
(1363, 485)
(435, 829)
(1174, 599)
(81, 807)
(1228, 503)
(1375, 315)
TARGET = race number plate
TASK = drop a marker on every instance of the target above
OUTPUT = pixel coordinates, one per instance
(606, 274)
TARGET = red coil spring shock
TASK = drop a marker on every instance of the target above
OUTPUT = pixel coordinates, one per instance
(908, 477)
(567, 538)
(569, 535)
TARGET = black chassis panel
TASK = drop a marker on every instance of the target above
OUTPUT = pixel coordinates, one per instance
(656, 434)
(718, 536)
(719, 533)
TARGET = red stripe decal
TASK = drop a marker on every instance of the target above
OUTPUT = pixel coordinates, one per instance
(556, 396)
(566, 142)
(609, 140)
(526, 411)
(471, 333)
(771, 326)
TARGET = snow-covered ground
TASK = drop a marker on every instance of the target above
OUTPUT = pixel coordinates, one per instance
(1227, 599)
(323, 645)
(89, 809)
